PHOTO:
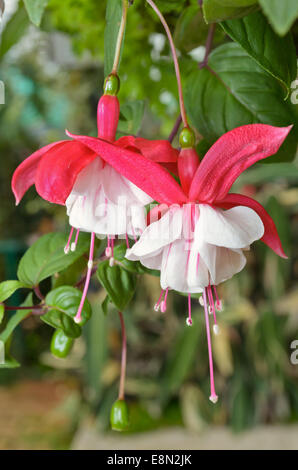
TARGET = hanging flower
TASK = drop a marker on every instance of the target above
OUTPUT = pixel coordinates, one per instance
(199, 233)
(98, 198)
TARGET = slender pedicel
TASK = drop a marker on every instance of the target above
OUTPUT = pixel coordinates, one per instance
(74, 244)
(189, 319)
(78, 316)
(120, 38)
(66, 248)
(175, 59)
(213, 397)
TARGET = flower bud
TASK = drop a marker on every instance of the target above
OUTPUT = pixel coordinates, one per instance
(187, 138)
(119, 417)
(111, 85)
(61, 344)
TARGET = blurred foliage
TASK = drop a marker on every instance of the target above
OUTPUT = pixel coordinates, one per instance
(49, 87)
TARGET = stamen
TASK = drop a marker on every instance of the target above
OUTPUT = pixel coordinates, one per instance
(108, 250)
(189, 319)
(74, 244)
(66, 248)
(201, 301)
(112, 261)
(163, 305)
(156, 306)
(127, 242)
(78, 316)
(218, 304)
(213, 397)
(212, 307)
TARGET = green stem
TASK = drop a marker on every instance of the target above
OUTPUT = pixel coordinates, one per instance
(120, 38)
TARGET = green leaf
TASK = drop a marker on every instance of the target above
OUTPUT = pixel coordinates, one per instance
(119, 284)
(131, 266)
(14, 321)
(105, 305)
(258, 39)
(46, 257)
(191, 29)
(14, 30)
(7, 288)
(235, 91)
(131, 116)
(219, 10)
(2, 311)
(35, 10)
(280, 13)
(63, 303)
(113, 19)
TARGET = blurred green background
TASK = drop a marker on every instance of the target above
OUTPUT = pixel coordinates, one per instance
(53, 78)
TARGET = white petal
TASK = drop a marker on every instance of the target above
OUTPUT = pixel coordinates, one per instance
(222, 263)
(158, 235)
(234, 228)
(180, 270)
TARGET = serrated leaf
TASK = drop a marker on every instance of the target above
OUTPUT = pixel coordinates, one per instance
(17, 318)
(119, 284)
(113, 19)
(235, 91)
(35, 10)
(63, 303)
(280, 13)
(7, 288)
(131, 116)
(258, 39)
(219, 10)
(46, 257)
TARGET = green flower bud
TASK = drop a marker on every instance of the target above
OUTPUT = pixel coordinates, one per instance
(187, 138)
(119, 416)
(61, 344)
(111, 85)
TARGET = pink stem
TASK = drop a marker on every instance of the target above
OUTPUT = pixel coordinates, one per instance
(123, 358)
(175, 59)
(213, 396)
(77, 318)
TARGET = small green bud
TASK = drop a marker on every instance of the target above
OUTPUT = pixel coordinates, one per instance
(119, 416)
(61, 344)
(187, 138)
(111, 85)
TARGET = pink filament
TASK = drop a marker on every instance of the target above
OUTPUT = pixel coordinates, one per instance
(77, 318)
(77, 237)
(156, 306)
(218, 302)
(127, 242)
(211, 302)
(189, 322)
(163, 305)
(213, 397)
(66, 249)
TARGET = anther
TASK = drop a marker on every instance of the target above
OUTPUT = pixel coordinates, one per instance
(216, 329)
(213, 398)
(111, 261)
(189, 322)
(108, 251)
(201, 301)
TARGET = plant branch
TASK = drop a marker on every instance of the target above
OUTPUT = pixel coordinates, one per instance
(175, 129)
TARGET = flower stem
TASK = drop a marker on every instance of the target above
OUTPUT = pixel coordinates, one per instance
(175, 129)
(209, 42)
(120, 37)
(12, 307)
(175, 58)
(123, 358)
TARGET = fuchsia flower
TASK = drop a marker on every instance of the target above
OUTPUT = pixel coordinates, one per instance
(202, 231)
(98, 198)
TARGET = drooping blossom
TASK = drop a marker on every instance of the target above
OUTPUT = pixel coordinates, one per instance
(200, 231)
(98, 198)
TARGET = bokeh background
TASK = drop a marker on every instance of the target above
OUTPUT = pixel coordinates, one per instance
(53, 77)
